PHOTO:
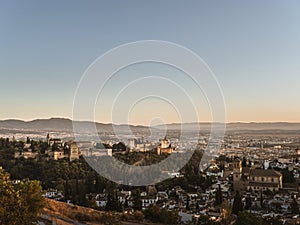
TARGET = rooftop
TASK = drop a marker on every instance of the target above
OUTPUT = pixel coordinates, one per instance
(264, 173)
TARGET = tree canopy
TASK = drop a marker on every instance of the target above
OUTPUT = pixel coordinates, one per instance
(19, 203)
(246, 218)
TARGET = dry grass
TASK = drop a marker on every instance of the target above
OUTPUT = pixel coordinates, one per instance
(66, 214)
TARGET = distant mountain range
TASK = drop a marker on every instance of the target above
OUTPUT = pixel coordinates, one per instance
(236, 126)
(62, 124)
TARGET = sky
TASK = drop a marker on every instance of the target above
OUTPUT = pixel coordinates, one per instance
(253, 48)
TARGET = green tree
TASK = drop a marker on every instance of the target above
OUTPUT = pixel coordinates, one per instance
(246, 218)
(112, 202)
(152, 213)
(10, 201)
(237, 204)
(248, 202)
(287, 176)
(261, 200)
(54, 147)
(19, 204)
(137, 201)
(138, 216)
(219, 197)
(31, 198)
(119, 147)
(157, 215)
(226, 213)
(169, 217)
(244, 162)
(205, 220)
(249, 163)
(295, 207)
(274, 221)
(187, 202)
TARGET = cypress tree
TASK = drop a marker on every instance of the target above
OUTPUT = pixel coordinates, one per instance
(219, 197)
(187, 203)
(248, 202)
(237, 204)
(261, 200)
(294, 207)
(244, 162)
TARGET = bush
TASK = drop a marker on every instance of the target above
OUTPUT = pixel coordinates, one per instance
(138, 216)
(82, 217)
(109, 219)
(157, 215)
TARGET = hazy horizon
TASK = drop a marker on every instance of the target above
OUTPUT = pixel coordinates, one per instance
(227, 122)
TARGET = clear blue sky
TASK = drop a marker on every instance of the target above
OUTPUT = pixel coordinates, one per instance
(253, 47)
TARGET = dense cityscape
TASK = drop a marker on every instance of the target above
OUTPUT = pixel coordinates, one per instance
(253, 179)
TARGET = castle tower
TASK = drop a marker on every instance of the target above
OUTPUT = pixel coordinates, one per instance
(48, 139)
(164, 147)
(74, 152)
(164, 143)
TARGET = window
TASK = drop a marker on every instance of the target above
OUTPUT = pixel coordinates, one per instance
(262, 179)
(272, 179)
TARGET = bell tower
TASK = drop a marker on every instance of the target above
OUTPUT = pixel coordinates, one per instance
(48, 139)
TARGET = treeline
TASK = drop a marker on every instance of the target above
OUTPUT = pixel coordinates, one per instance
(76, 179)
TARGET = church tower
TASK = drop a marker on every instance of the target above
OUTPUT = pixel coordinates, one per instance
(48, 139)
(237, 174)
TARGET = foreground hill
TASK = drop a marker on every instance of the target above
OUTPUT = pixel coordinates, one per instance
(65, 214)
